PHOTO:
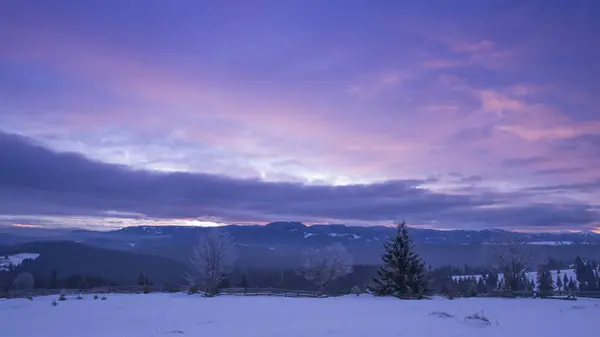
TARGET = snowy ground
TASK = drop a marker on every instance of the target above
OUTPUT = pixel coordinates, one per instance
(349, 316)
(16, 259)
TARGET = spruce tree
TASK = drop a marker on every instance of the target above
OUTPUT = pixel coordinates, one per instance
(402, 270)
(244, 281)
(141, 281)
(559, 282)
(53, 280)
(83, 284)
(545, 283)
(572, 285)
(566, 282)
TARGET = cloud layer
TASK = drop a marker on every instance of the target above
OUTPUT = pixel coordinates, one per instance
(483, 115)
(38, 181)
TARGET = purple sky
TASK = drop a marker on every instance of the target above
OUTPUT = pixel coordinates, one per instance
(123, 112)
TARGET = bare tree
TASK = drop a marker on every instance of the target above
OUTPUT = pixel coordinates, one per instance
(211, 261)
(323, 265)
(24, 281)
(513, 258)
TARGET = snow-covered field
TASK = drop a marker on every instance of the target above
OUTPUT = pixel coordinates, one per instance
(348, 316)
(16, 259)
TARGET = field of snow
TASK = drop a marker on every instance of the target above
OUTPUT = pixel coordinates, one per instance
(16, 259)
(530, 276)
(348, 316)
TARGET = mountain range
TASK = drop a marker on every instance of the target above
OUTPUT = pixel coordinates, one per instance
(280, 244)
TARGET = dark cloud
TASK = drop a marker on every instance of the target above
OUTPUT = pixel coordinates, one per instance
(35, 180)
(559, 171)
(525, 162)
(584, 187)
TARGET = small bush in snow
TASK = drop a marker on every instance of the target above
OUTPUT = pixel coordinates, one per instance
(95, 297)
(479, 316)
(54, 303)
(355, 290)
(104, 298)
(62, 297)
(29, 297)
(79, 297)
(441, 314)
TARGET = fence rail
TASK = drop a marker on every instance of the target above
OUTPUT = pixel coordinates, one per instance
(141, 289)
(258, 292)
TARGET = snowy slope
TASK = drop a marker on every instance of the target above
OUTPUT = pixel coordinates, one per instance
(16, 259)
(350, 316)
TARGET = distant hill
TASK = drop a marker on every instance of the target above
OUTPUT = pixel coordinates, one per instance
(280, 244)
(70, 258)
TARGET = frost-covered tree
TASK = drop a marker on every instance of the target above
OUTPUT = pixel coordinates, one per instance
(512, 259)
(23, 281)
(402, 271)
(323, 265)
(211, 261)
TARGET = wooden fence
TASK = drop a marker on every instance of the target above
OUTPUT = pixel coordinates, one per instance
(152, 289)
(258, 292)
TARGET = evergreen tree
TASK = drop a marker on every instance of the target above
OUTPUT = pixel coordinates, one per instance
(545, 283)
(83, 284)
(402, 270)
(491, 282)
(53, 280)
(559, 282)
(531, 285)
(572, 285)
(565, 282)
(141, 281)
(244, 281)
(580, 270)
(590, 278)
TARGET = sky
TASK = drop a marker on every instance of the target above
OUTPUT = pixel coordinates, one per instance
(478, 115)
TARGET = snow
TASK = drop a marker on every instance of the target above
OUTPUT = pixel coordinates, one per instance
(530, 276)
(307, 235)
(155, 315)
(551, 243)
(16, 259)
(350, 235)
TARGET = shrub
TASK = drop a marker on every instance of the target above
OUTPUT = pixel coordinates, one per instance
(54, 303)
(29, 297)
(79, 297)
(62, 295)
(355, 290)
(193, 290)
(441, 314)
(24, 281)
(146, 290)
(95, 297)
(103, 298)
(479, 316)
